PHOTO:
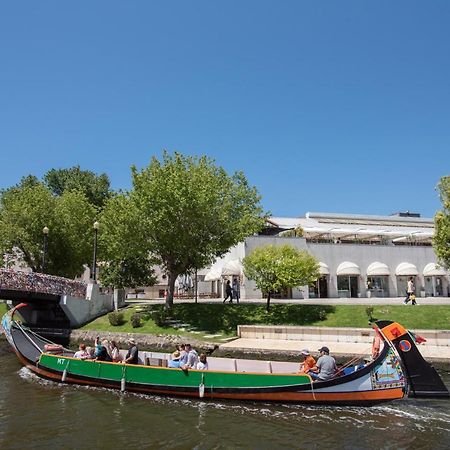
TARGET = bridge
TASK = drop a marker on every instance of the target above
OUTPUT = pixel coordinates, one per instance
(56, 304)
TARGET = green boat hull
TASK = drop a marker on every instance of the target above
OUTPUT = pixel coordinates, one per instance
(161, 376)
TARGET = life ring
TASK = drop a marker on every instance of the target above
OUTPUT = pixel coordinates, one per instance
(53, 348)
(376, 345)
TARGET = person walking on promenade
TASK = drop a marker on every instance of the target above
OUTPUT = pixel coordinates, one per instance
(236, 288)
(228, 292)
(410, 292)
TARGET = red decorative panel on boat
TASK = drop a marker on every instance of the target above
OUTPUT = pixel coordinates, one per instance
(393, 331)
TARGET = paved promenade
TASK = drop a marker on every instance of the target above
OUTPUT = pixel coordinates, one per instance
(429, 352)
(311, 301)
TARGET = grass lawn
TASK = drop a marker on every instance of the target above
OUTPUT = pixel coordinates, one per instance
(223, 319)
(3, 308)
(149, 326)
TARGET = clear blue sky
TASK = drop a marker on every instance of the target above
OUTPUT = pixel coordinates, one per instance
(333, 106)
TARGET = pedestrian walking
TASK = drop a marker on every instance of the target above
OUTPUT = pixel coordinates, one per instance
(410, 292)
(228, 292)
(236, 288)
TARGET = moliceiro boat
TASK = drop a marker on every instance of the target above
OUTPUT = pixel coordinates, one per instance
(397, 370)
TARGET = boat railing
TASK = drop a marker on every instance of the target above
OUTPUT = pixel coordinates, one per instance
(160, 359)
(225, 364)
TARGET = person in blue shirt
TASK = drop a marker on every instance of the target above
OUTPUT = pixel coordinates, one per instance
(101, 350)
(175, 363)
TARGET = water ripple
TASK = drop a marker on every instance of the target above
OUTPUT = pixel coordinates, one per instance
(58, 409)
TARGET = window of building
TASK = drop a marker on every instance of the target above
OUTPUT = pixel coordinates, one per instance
(378, 286)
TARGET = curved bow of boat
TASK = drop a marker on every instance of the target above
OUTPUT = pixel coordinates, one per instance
(423, 380)
(8, 323)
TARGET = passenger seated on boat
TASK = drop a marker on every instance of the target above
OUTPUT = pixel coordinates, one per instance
(190, 358)
(174, 362)
(101, 351)
(309, 363)
(114, 352)
(182, 349)
(82, 352)
(203, 363)
(326, 366)
(91, 352)
(132, 356)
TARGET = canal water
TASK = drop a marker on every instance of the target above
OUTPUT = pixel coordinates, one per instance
(37, 414)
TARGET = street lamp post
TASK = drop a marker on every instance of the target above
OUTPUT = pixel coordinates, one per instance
(196, 285)
(45, 231)
(94, 259)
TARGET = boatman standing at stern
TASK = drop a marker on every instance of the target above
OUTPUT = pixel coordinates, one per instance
(326, 366)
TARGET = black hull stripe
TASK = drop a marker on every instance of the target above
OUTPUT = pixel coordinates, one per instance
(147, 390)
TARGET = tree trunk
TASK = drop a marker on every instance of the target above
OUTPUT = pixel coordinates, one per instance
(268, 302)
(171, 289)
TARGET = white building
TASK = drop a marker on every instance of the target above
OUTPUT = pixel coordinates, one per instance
(360, 256)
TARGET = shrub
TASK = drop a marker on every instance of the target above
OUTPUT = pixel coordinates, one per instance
(322, 314)
(369, 312)
(135, 320)
(160, 316)
(116, 318)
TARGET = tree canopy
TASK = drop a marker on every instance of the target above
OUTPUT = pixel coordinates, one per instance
(95, 187)
(274, 268)
(441, 239)
(185, 211)
(127, 261)
(29, 207)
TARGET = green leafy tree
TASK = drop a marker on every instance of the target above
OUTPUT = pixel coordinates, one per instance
(29, 207)
(441, 239)
(274, 268)
(127, 263)
(95, 187)
(184, 211)
(128, 272)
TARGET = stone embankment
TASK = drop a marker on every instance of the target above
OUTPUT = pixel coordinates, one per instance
(343, 342)
(148, 342)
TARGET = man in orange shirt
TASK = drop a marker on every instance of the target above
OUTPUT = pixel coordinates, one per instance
(309, 363)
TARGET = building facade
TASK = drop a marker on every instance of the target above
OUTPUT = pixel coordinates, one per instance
(359, 255)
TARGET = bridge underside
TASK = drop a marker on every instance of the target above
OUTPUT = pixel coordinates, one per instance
(43, 315)
(28, 296)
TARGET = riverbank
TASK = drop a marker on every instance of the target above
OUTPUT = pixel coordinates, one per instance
(242, 348)
(221, 320)
(147, 342)
(212, 328)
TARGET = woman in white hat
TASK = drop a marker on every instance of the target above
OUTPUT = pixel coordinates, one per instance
(174, 362)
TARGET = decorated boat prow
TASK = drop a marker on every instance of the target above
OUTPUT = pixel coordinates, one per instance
(423, 380)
